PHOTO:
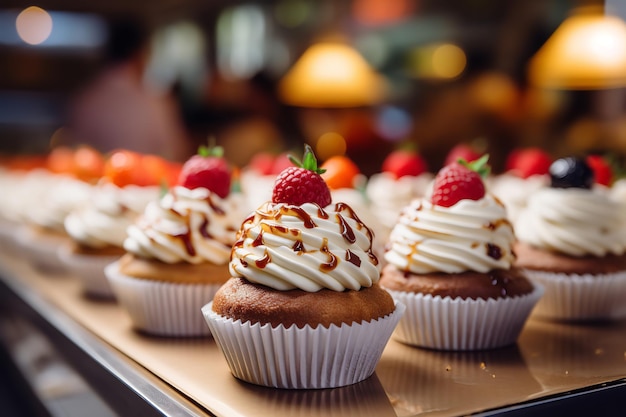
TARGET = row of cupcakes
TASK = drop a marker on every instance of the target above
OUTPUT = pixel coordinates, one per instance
(301, 260)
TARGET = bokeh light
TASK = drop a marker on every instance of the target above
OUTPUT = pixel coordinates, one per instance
(439, 61)
(393, 123)
(330, 144)
(34, 25)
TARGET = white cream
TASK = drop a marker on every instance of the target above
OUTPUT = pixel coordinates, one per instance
(468, 236)
(103, 220)
(573, 221)
(185, 225)
(286, 247)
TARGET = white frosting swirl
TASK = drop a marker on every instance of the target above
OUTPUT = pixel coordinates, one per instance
(192, 226)
(468, 236)
(61, 195)
(286, 247)
(103, 220)
(573, 221)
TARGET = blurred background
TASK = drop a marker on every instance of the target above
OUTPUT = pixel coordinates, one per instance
(354, 77)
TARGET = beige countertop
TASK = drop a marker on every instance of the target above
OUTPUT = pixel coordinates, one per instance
(549, 358)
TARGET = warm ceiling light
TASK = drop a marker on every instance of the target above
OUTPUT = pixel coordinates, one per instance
(34, 25)
(587, 51)
(331, 75)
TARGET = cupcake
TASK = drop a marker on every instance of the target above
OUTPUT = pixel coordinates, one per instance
(44, 230)
(450, 262)
(403, 178)
(303, 308)
(526, 172)
(178, 251)
(98, 230)
(571, 240)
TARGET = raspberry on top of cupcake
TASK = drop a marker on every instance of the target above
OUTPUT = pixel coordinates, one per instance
(304, 281)
(450, 261)
(460, 228)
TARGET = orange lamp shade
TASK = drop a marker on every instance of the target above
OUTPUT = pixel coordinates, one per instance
(331, 75)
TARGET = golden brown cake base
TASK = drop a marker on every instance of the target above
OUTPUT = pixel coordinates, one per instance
(79, 249)
(495, 284)
(182, 273)
(240, 299)
(530, 257)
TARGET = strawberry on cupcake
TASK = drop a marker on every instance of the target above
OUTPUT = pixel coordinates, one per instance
(450, 262)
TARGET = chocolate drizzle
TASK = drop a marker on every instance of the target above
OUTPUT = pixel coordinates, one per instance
(352, 258)
(494, 251)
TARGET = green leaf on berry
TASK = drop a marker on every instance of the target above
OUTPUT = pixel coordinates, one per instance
(211, 149)
(479, 166)
(309, 161)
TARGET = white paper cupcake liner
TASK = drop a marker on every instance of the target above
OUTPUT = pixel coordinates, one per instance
(89, 269)
(303, 358)
(580, 297)
(41, 250)
(162, 308)
(458, 324)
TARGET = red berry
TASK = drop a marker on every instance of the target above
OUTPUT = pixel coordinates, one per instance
(457, 182)
(402, 162)
(262, 163)
(297, 186)
(211, 172)
(461, 151)
(602, 170)
(281, 162)
(301, 184)
(529, 161)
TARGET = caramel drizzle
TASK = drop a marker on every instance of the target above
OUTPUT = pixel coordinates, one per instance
(214, 206)
(332, 259)
(340, 207)
(345, 229)
(262, 262)
(186, 239)
(298, 246)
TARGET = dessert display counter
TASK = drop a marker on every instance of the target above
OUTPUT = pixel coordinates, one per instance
(554, 366)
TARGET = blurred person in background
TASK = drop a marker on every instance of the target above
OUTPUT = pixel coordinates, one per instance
(119, 110)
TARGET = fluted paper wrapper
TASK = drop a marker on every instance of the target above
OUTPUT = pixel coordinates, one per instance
(575, 297)
(89, 269)
(303, 358)
(462, 324)
(42, 249)
(162, 308)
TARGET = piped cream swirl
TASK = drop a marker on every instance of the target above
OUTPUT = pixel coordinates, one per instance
(103, 220)
(287, 247)
(573, 221)
(468, 236)
(185, 225)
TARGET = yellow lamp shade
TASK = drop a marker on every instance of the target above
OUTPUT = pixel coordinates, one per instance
(587, 51)
(331, 75)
